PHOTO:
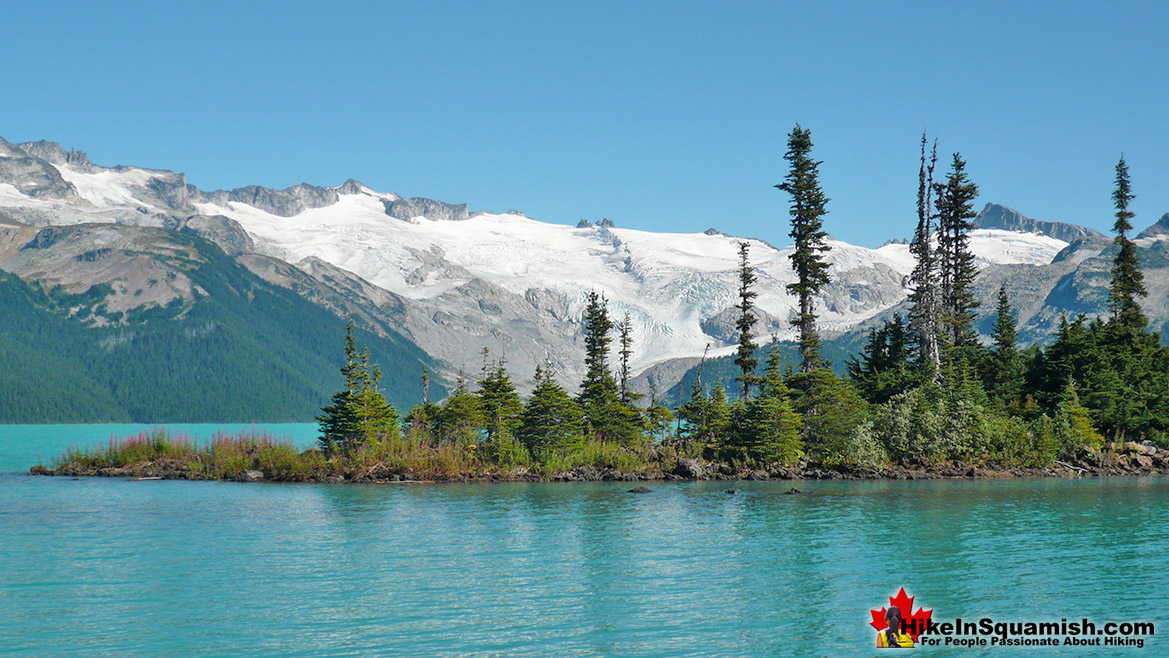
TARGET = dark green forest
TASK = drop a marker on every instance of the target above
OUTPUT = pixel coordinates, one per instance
(247, 351)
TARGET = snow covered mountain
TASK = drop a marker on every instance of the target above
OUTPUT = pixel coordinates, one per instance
(456, 281)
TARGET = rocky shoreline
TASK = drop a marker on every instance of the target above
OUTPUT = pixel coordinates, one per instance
(1133, 459)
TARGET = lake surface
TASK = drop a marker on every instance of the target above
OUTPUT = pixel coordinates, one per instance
(101, 567)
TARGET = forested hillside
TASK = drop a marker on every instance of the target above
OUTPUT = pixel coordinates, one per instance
(239, 350)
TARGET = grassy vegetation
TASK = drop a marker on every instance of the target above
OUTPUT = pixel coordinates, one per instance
(408, 457)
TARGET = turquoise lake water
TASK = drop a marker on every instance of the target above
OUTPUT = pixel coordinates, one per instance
(101, 567)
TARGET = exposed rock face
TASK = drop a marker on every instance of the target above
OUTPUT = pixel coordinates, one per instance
(31, 175)
(407, 209)
(135, 267)
(688, 467)
(54, 153)
(227, 233)
(1160, 229)
(285, 203)
(997, 216)
(721, 327)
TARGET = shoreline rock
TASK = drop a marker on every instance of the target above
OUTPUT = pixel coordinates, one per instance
(1137, 459)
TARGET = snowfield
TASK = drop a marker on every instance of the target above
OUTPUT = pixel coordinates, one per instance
(669, 282)
(510, 282)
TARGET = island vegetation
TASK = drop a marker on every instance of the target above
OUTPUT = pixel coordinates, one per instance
(925, 397)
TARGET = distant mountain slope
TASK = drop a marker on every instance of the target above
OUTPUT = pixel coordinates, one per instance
(122, 323)
(454, 281)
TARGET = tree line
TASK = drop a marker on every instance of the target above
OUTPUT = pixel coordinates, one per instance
(924, 390)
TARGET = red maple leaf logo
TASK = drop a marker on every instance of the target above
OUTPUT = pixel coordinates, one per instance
(905, 604)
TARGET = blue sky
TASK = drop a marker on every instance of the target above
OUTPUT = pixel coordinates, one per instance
(659, 116)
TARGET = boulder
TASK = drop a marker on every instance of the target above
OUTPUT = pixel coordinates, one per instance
(253, 476)
(641, 489)
(757, 474)
(689, 467)
(1135, 448)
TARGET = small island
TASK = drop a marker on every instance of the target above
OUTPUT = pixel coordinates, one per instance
(924, 398)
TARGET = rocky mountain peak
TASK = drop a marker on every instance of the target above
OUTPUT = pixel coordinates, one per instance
(407, 209)
(996, 216)
(10, 150)
(56, 154)
(351, 186)
(1158, 229)
(284, 203)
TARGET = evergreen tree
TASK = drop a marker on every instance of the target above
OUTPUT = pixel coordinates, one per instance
(1004, 374)
(883, 371)
(745, 359)
(831, 409)
(598, 389)
(359, 413)
(498, 402)
(551, 419)
(718, 418)
(461, 417)
(605, 414)
(925, 316)
(771, 430)
(657, 416)
(625, 340)
(807, 211)
(696, 410)
(1080, 433)
(376, 417)
(1128, 282)
(423, 419)
(955, 206)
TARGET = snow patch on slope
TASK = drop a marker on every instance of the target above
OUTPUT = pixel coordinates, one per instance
(991, 247)
(669, 282)
(107, 188)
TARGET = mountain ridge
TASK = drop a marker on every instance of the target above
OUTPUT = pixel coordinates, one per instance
(455, 281)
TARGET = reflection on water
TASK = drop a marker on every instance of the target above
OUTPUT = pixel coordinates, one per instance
(100, 567)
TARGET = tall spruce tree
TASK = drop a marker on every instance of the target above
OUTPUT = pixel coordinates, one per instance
(771, 428)
(551, 419)
(883, 371)
(598, 387)
(498, 401)
(657, 415)
(610, 418)
(1128, 282)
(358, 413)
(1005, 376)
(695, 410)
(745, 359)
(807, 209)
(461, 417)
(924, 315)
(625, 340)
(955, 206)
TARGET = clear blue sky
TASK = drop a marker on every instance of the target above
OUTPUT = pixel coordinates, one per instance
(661, 116)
